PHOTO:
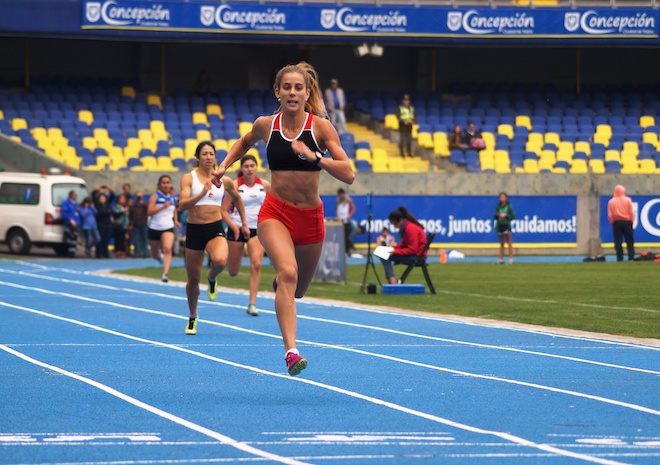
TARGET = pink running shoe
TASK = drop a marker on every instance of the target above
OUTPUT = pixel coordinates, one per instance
(295, 363)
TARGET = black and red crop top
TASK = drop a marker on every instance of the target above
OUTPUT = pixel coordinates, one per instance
(279, 152)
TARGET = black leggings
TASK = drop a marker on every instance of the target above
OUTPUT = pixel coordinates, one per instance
(620, 230)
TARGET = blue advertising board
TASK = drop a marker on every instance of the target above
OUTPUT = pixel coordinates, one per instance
(646, 227)
(468, 221)
(337, 21)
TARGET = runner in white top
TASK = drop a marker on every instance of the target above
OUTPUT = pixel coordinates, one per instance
(162, 210)
(204, 232)
(252, 190)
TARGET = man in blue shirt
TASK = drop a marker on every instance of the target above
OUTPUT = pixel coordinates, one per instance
(71, 218)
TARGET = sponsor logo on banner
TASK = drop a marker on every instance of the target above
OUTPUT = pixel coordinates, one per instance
(649, 217)
(482, 23)
(270, 19)
(347, 20)
(207, 15)
(93, 11)
(115, 13)
(594, 23)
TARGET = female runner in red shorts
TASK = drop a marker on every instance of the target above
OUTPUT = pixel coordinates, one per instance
(290, 224)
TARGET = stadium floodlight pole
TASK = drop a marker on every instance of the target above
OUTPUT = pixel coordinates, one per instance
(370, 257)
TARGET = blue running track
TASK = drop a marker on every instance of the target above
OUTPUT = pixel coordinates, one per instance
(96, 370)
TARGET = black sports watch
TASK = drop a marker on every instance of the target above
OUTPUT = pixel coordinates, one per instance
(319, 155)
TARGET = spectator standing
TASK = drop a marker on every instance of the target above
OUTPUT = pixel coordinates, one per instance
(105, 224)
(504, 215)
(120, 218)
(621, 216)
(413, 241)
(345, 211)
(456, 141)
(71, 216)
(138, 219)
(407, 119)
(88, 225)
(336, 102)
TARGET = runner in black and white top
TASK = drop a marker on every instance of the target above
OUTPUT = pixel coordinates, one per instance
(160, 233)
(252, 190)
(204, 231)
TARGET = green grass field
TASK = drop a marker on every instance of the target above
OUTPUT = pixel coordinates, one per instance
(613, 298)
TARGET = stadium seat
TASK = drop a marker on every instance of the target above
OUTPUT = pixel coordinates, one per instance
(530, 166)
(363, 154)
(524, 120)
(646, 121)
(647, 167)
(579, 166)
(505, 129)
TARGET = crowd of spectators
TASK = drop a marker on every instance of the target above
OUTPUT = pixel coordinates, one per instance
(470, 138)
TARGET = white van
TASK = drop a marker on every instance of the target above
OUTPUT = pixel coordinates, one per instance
(30, 205)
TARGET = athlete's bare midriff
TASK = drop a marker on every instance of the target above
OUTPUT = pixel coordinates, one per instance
(299, 188)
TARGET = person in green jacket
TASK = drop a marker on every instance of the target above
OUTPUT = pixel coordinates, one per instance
(504, 215)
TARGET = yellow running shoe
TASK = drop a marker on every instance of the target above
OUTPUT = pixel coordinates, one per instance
(212, 290)
(191, 328)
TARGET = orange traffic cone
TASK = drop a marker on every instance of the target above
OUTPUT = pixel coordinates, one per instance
(443, 256)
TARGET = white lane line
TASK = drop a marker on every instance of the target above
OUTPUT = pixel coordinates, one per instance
(606, 400)
(156, 411)
(362, 326)
(434, 418)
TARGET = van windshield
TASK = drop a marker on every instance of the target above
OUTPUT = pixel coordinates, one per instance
(61, 192)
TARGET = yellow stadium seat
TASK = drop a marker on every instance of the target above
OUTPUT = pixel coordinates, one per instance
(190, 145)
(165, 164)
(597, 166)
(583, 146)
(379, 167)
(612, 155)
(89, 143)
(149, 163)
(646, 121)
(128, 91)
(55, 133)
(176, 152)
(530, 166)
(86, 116)
(440, 144)
(149, 144)
(602, 139)
(133, 142)
(502, 167)
(579, 166)
(103, 162)
(487, 163)
(153, 99)
(630, 147)
(425, 139)
(395, 165)
(132, 152)
(363, 154)
(18, 123)
(100, 134)
(116, 164)
(628, 157)
(213, 109)
(564, 156)
(244, 127)
(650, 138)
(53, 152)
(145, 134)
(535, 137)
(156, 125)
(501, 156)
(604, 129)
(160, 135)
(391, 122)
(533, 147)
(560, 170)
(44, 144)
(415, 131)
(552, 138)
(203, 134)
(221, 144)
(524, 120)
(200, 118)
(379, 154)
(505, 129)
(631, 167)
(39, 133)
(2, 114)
(489, 138)
(647, 167)
(565, 146)
(546, 163)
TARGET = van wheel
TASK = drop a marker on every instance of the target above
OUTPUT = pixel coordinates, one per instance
(19, 242)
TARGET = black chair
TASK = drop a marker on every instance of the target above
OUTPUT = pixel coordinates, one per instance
(421, 262)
